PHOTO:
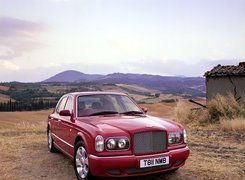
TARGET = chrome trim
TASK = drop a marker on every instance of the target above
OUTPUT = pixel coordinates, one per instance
(142, 156)
(150, 142)
(180, 149)
(111, 157)
(62, 140)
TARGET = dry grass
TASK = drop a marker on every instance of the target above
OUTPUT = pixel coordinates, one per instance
(186, 112)
(215, 154)
(183, 113)
(222, 109)
(23, 149)
(237, 124)
(137, 88)
(165, 110)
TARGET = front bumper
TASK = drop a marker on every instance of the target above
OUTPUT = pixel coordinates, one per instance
(115, 166)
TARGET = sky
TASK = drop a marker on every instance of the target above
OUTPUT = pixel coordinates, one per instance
(40, 38)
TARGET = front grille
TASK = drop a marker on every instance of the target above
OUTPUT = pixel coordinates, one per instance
(150, 141)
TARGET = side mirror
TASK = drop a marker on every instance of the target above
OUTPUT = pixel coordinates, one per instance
(65, 113)
(144, 109)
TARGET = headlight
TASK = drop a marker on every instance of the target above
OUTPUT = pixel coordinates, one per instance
(99, 143)
(111, 144)
(175, 138)
(185, 136)
(122, 143)
(117, 143)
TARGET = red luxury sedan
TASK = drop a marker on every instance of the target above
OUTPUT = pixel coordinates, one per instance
(107, 134)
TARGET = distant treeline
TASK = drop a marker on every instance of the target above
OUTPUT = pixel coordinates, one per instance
(28, 97)
(24, 106)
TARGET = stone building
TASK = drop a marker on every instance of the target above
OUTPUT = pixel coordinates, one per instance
(226, 79)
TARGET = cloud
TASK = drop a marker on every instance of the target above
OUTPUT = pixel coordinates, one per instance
(174, 67)
(59, 1)
(8, 65)
(18, 37)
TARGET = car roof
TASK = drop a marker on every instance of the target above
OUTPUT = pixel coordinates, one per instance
(94, 93)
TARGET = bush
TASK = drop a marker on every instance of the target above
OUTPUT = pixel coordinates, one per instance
(184, 114)
(225, 107)
(169, 100)
(222, 109)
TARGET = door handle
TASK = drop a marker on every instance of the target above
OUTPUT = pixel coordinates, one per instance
(51, 118)
(59, 121)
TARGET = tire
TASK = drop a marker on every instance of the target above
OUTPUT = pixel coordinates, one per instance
(51, 147)
(81, 162)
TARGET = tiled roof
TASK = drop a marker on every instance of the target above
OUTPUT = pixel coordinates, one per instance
(219, 70)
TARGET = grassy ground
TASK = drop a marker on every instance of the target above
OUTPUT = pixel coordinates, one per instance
(215, 154)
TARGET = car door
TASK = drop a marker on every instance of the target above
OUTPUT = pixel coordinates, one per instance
(55, 121)
(66, 127)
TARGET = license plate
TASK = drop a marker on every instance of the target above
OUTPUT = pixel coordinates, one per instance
(159, 161)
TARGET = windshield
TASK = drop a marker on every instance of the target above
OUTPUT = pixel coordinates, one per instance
(102, 104)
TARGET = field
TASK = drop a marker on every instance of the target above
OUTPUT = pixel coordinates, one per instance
(215, 154)
(4, 98)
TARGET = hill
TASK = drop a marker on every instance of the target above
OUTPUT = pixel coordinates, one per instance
(72, 76)
(189, 86)
(166, 84)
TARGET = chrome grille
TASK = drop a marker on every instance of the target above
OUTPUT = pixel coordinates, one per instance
(150, 141)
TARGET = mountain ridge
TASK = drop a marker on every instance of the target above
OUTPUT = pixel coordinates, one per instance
(166, 84)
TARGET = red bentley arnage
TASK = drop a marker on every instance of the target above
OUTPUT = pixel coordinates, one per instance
(108, 134)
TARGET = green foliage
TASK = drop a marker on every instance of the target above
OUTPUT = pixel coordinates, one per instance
(35, 96)
(25, 106)
(28, 97)
(157, 95)
(169, 100)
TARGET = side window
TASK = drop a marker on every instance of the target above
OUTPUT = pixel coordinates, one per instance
(69, 104)
(61, 105)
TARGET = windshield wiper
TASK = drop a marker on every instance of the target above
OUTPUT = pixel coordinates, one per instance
(103, 113)
(132, 112)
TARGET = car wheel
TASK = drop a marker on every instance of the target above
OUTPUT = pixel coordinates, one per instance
(51, 147)
(81, 162)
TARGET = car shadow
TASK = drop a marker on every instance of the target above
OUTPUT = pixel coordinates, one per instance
(157, 176)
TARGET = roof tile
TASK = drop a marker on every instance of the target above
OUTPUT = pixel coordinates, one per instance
(229, 70)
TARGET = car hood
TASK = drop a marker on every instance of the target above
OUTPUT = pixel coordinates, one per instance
(132, 124)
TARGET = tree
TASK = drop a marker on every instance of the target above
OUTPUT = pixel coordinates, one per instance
(157, 95)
